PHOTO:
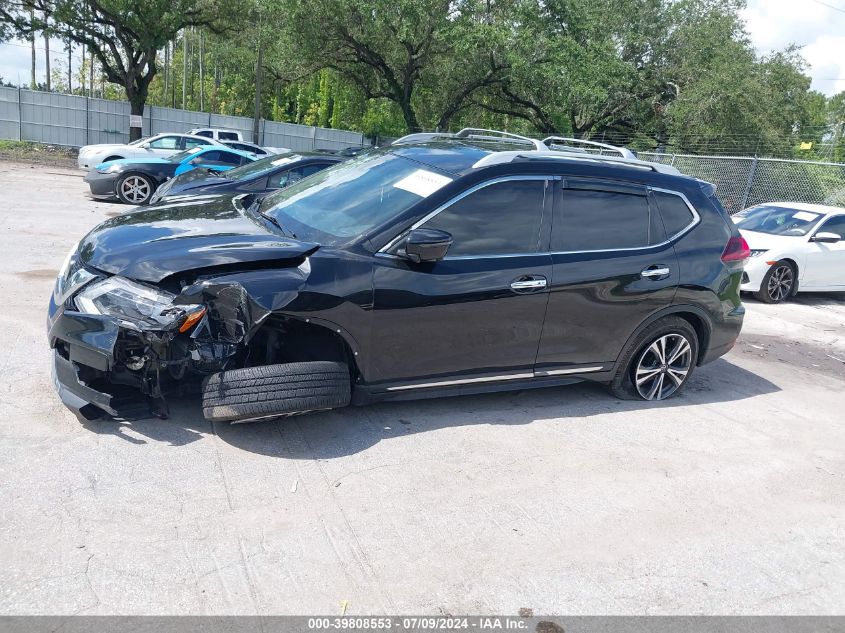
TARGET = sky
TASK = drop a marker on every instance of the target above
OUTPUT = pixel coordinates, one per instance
(818, 26)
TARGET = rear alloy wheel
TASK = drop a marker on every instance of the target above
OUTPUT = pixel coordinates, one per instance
(778, 284)
(134, 189)
(663, 367)
(658, 362)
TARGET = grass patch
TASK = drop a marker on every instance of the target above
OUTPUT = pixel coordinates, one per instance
(31, 152)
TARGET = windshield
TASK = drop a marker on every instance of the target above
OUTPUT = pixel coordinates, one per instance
(777, 220)
(178, 158)
(347, 200)
(259, 166)
(139, 141)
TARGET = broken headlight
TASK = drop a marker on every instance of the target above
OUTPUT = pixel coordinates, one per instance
(137, 306)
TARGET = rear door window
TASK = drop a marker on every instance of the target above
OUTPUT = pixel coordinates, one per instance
(499, 219)
(195, 142)
(228, 136)
(599, 219)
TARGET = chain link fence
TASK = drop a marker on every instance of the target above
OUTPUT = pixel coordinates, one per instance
(743, 182)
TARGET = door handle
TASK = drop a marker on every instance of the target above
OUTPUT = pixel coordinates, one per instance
(528, 283)
(656, 271)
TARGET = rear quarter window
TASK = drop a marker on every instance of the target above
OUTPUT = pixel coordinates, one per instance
(674, 211)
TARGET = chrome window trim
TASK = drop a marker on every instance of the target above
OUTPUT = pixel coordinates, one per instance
(696, 218)
(384, 249)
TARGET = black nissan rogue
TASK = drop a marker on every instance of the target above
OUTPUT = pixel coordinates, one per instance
(452, 264)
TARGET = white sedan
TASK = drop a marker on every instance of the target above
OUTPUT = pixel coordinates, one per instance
(160, 146)
(795, 247)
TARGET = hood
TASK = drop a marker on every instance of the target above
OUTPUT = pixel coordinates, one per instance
(152, 160)
(165, 239)
(766, 241)
(91, 149)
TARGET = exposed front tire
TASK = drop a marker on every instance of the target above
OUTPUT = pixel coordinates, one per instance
(658, 363)
(134, 189)
(253, 393)
(778, 283)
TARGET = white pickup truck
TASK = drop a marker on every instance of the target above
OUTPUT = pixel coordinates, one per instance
(218, 134)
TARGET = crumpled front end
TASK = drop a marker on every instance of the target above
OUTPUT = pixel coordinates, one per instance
(118, 343)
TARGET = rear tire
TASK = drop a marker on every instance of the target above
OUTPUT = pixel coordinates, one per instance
(135, 189)
(778, 284)
(269, 391)
(642, 360)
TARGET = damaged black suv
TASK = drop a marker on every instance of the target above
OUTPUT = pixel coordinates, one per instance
(441, 265)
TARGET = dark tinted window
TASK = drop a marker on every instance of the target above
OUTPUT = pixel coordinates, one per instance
(501, 218)
(206, 133)
(603, 220)
(674, 211)
(227, 136)
(230, 159)
(296, 174)
(208, 157)
(834, 225)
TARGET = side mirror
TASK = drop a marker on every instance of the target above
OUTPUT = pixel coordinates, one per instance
(427, 245)
(145, 145)
(826, 238)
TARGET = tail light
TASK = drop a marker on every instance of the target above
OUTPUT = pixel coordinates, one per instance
(737, 250)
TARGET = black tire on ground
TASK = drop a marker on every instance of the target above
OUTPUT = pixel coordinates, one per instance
(622, 386)
(274, 390)
(778, 283)
(135, 188)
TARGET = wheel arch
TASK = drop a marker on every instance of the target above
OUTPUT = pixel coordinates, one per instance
(695, 316)
(310, 339)
(792, 261)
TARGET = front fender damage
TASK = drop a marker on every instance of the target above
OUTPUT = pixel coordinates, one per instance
(159, 363)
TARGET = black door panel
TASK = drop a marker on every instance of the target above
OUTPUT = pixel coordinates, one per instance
(598, 297)
(456, 316)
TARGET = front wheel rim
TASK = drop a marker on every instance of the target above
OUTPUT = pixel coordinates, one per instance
(663, 367)
(135, 189)
(780, 283)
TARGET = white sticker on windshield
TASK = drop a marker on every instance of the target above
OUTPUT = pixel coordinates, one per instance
(805, 215)
(423, 183)
(284, 161)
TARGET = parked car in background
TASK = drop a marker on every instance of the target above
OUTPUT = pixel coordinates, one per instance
(255, 149)
(267, 174)
(134, 181)
(795, 247)
(160, 145)
(464, 265)
(218, 134)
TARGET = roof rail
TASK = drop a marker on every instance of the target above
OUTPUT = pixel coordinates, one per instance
(624, 152)
(498, 158)
(485, 134)
(421, 137)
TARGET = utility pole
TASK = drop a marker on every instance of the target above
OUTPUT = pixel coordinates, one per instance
(184, 67)
(47, 52)
(258, 72)
(202, 76)
(166, 73)
(69, 67)
(32, 83)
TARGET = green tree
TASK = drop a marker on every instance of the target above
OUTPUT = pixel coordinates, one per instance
(123, 35)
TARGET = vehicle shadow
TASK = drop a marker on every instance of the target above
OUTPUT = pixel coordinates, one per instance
(330, 434)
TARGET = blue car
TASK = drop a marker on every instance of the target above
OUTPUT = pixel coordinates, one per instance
(134, 180)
